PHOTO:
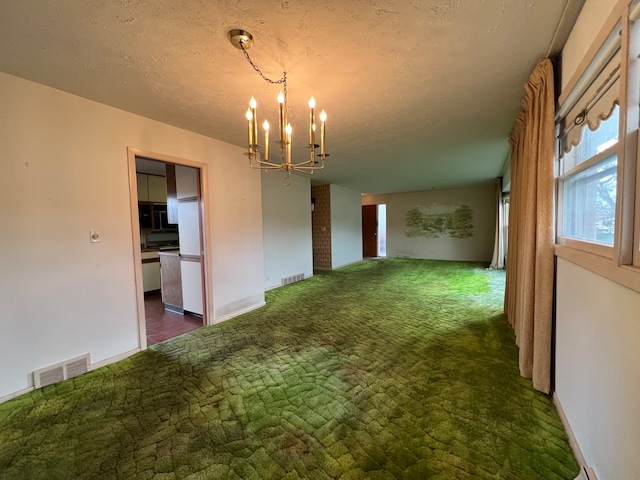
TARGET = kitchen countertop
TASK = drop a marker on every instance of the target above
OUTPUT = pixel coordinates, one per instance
(158, 249)
(175, 252)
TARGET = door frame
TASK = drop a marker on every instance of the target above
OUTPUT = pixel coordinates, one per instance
(205, 243)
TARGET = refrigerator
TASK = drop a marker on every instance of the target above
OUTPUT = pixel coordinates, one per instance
(189, 233)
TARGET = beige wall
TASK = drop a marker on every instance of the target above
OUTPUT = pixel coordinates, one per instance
(598, 369)
(286, 227)
(65, 171)
(346, 226)
(479, 247)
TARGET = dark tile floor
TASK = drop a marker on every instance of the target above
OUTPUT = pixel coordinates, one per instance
(162, 324)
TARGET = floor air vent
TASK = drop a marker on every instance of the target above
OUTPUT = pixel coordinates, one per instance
(292, 279)
(61, 371)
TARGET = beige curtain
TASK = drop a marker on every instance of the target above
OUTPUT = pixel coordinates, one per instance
(530, 257)
(497, 260)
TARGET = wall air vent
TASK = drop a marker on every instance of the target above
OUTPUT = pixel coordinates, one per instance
(292, 279)
(61, 371)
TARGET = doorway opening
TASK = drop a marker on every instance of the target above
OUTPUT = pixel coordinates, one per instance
(374, 231)
(382, 230)
(168, 206)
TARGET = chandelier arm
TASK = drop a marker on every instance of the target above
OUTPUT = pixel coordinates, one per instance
(266, 167)
(311, 165)
(255, 158)
(268, 164)
(307, 167)
(304, 169)
(310, 172)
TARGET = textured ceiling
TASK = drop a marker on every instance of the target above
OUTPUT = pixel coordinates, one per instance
(420, 94)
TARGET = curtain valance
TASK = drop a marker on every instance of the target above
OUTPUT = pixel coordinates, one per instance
(595, 105)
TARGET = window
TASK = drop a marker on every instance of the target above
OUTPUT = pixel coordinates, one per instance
(598, 160)
(588, 159)
(588, 181)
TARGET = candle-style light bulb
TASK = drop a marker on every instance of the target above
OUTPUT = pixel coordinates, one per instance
(323, 118)
(312, 105)
(281, 119)
(288, 130)
(312, 147)
(249, 116)
(265, 125)
(253, 104)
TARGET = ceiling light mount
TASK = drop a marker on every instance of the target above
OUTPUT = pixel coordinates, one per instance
(243, 40)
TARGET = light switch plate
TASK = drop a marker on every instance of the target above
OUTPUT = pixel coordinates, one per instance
(94, 236)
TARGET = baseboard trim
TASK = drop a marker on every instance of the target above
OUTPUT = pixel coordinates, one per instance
(13, 395)
(586, 473)
(346, 264)
(229, 316)
(110, 360)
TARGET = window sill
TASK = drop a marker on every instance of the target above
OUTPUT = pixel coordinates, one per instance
(625, 275)
(597, 249)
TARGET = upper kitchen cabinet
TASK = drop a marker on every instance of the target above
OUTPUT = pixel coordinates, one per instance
(157, 188)
(186, 182)
(151, 188)
(143, 187)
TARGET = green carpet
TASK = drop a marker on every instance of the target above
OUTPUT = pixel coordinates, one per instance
(385, 369)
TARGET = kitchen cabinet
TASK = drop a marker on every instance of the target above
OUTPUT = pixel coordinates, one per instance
(171, 280)
(151, 188)
(186, 182)
(150, 271)
(157, 188)
(143, 187)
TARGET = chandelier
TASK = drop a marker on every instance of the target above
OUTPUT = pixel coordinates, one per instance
(244, 40)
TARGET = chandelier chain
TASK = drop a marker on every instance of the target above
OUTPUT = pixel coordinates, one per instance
(282, 81)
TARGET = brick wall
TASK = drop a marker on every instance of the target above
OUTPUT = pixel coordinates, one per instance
(321, 227)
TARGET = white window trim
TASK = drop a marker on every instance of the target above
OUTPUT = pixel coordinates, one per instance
(597, 158)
